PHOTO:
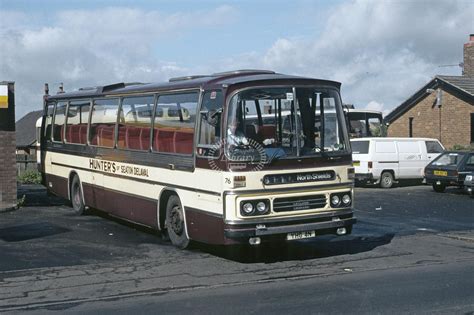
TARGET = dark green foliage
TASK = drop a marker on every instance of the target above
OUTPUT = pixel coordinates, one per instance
(30, 177)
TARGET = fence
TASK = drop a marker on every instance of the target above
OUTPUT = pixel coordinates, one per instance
(25, 162)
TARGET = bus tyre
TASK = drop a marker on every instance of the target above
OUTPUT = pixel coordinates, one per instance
(386, 180)
(77, 198)
(175, 225)
(439, 187)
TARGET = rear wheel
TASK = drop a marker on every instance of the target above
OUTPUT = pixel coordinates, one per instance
(175, 223)
(77, 198)
(386, 180)
(439, 187)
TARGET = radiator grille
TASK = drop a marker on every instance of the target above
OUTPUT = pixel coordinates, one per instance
(299, 203)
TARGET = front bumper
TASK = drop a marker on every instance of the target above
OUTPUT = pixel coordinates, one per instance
(469, 187)
(364, 177)
(444, 180)
(326, 223)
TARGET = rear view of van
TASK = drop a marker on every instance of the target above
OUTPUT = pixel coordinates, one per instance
(385, 161)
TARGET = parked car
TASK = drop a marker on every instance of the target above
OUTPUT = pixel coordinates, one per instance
(386, 160)
(469, 184)
(449, 169)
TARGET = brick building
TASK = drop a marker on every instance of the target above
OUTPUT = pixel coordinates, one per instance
(443, 108)
(8, 187)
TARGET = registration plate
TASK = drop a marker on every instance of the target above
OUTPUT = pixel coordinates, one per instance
(440, 173)
(300, 235)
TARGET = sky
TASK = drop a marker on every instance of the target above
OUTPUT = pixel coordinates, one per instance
(381, 51)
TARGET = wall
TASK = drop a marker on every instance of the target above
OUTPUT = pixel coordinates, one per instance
(7, 170)
(455, 120)
(8, 189)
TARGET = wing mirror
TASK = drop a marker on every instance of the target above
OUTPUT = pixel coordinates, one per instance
(212, 116)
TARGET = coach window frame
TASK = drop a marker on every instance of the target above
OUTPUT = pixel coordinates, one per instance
(175, 92)
(67, 119)
(89, 138)
(53, 104)
(54, 121)
(150, 143)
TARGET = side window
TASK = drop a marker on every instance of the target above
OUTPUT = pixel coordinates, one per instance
(135, 119)
(77, 120)
(360, 147)
(49, 120)
(385, 147)
(210, 122)
(408, 147)
(470, 160)
(433, 147)
(357, 128)
(104, 116)
(376, 127)
(58, 124)
(175, 118)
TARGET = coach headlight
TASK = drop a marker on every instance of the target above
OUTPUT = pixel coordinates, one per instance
(247, 208)
(254, 207)
(346, 199)
(335, 200)
(262, 207)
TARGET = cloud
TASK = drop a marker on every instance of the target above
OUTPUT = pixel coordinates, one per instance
(382, 51)
(374, 106)
(87, 47)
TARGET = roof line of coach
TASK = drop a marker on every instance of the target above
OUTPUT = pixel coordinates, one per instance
(185, 82)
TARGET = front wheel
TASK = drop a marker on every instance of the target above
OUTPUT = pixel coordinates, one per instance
(386, 180)
(77, 198)
(175, 223)
(439, 187)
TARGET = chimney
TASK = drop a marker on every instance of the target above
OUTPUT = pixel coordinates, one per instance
(468, 65)
(61, 88)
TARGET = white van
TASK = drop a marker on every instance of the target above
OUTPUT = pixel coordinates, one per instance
(386, 160)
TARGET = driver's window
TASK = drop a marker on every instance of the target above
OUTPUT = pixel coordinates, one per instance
(210, 122)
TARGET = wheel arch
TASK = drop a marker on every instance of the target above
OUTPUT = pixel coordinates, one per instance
(73, 173)
(389, 170)
(165, 194)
